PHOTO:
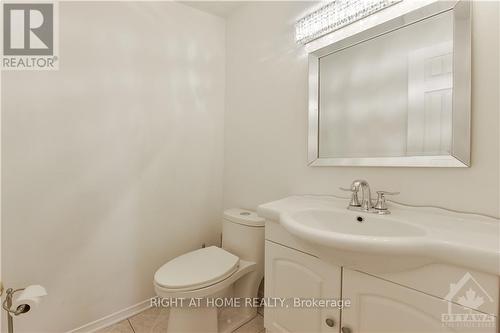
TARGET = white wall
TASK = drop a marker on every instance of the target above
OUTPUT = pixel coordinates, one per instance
(113, 164)
(99, 190)
(266, 120)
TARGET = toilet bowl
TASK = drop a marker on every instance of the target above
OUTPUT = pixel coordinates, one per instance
(199, 281)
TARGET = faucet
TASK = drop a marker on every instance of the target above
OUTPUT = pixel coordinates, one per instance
(366, 204)
(366, 196)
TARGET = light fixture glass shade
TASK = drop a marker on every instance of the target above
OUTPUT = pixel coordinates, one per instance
(335, 15)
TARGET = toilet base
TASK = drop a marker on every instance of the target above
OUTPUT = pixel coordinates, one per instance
(208, 319)
(192, 320)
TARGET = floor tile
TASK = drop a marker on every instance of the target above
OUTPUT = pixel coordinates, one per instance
(121, 327)
(153, 320)
(255, 325)
(229, 318)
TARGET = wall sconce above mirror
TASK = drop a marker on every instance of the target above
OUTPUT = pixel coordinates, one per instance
(395, 94)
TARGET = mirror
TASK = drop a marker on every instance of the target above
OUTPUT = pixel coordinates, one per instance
(395, 95)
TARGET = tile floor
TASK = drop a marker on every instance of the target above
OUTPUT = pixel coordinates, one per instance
(154, 320)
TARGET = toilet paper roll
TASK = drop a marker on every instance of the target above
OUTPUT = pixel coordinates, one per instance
(31, 295)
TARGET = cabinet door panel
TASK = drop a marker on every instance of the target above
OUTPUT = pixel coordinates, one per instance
(379, 306)
(292, 274)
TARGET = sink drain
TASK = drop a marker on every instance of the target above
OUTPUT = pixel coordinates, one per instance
(360, 219)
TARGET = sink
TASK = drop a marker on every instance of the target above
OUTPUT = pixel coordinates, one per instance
(409, 237)
(335, 224)
(354, 231)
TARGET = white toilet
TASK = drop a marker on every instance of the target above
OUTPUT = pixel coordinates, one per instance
(235, 270)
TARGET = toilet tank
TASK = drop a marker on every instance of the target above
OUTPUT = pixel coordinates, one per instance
(243, 234)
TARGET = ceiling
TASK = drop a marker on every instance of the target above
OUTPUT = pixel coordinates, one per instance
(219, 8)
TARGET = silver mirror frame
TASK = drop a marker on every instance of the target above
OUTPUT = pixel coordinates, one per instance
(461, 119)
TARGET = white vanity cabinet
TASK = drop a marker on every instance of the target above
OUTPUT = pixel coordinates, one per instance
(395, 303)
(291, 274)
(379, 306)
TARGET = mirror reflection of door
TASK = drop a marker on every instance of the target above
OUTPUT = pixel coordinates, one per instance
(430, 84)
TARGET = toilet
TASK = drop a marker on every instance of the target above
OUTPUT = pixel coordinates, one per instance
(235, 270)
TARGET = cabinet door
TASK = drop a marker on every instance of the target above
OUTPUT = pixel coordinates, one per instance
(292, 274)
(379, 306)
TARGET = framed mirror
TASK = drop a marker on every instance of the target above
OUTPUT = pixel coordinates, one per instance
(396, 94)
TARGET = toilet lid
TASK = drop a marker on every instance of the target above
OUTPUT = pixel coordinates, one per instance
(197, 269)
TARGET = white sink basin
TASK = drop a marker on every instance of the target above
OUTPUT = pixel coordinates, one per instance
(355, 231)
(406, 238)
(334, 225)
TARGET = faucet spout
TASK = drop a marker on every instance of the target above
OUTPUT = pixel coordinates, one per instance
(366, 198)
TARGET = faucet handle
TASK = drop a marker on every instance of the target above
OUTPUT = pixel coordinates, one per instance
(354, 197)
(387, 193)
(381, 204)
(348, 189)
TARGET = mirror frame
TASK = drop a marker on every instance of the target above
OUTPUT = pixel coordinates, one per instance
(395, 18)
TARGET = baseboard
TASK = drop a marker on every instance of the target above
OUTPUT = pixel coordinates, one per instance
(113, 318)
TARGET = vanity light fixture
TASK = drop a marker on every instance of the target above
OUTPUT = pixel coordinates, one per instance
(335, 15)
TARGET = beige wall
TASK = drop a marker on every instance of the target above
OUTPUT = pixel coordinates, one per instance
(113, 164)
(266, 120)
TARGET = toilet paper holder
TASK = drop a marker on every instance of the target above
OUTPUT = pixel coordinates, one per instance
(7, 303)
(36, 293)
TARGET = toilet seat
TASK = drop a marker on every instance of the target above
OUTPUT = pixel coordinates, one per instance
(197, 269)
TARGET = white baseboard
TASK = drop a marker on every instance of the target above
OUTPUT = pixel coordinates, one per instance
(113, 318)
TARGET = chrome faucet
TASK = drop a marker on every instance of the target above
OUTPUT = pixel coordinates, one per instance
(366, 204)
(366, 195)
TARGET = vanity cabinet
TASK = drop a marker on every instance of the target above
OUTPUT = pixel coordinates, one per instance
(376, 305)
(382, 306)
(293, 275)
(422, 270)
